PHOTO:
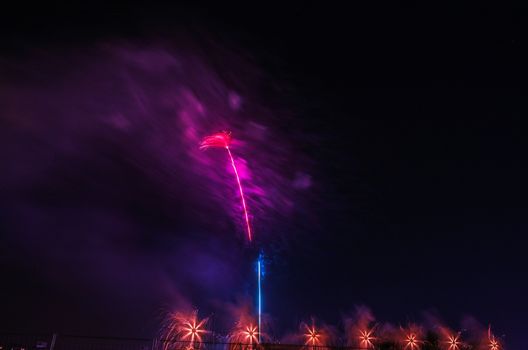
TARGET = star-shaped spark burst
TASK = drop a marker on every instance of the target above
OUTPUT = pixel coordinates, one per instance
(453, 342)
(250, 334)
(312, 336)
(493, 343)
(192, 329)
(411, 341)
(186, 328)
(366, 338)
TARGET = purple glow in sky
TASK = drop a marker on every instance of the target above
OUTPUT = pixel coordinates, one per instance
(105, 180)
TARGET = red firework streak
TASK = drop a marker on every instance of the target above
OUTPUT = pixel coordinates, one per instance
(223, 140)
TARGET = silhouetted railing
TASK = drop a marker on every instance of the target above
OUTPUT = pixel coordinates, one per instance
(13, 341)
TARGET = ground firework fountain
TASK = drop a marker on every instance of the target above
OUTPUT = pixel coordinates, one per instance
(361, 333)
(184, 330)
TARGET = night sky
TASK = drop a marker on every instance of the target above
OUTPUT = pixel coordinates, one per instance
(383, 146)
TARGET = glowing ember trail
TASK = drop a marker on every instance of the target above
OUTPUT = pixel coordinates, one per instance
(223, 140)
(366, 338)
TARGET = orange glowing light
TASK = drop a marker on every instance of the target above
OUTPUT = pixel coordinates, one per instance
(493, 343)
(250, 334)
(192, 330)
(245, 333)
(184, 328)
(312, 336)
(411, 341)
(366, 338)
(453, 342)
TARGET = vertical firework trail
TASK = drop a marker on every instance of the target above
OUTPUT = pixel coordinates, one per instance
(259, 272)
(222, 140)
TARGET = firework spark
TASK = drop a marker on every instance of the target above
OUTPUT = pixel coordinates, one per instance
(184, 328)
(250, 334)
(493, 342)
(453, 342)
(223, 140)
(366, 338)
(411, 341)
(247, 334)
(313, 337)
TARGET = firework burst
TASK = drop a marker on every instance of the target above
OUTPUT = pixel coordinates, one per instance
(493, 342)
(360, 329)
(184, 329)
(245, 334)
(453, 342)
(312, 336)
(411, 338)
(223, 140)
(250, 334)
(412, 341)
(366, 338)
(450, 340)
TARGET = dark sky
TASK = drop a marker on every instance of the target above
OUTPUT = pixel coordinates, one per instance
(401, 128)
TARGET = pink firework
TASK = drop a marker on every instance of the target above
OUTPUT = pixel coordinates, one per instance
(250, 334)
(313, 335)
(412, 341)
(184, 329)
(411, 338)
(223, 140)
(493, 342)
(366, 338)
(245, 334)
(453, 342)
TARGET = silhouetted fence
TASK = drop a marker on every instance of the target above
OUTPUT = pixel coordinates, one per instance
(12, 341)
